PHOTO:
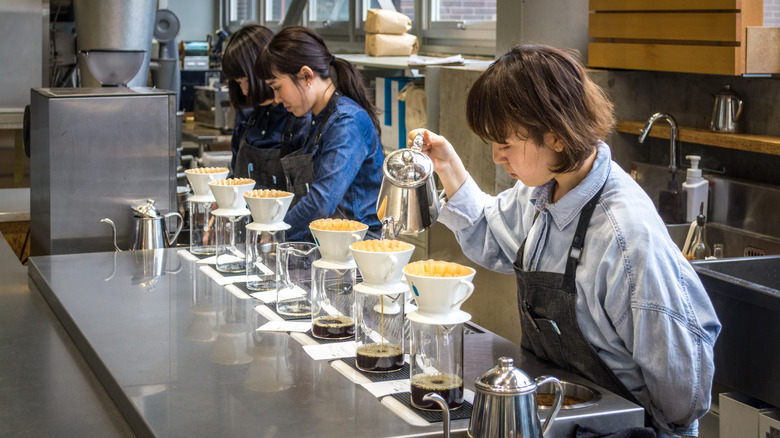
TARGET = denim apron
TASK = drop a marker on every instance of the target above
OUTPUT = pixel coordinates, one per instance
(548, 316)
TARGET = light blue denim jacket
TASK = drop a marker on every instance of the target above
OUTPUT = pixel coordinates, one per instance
(639, 302)
(347, 170)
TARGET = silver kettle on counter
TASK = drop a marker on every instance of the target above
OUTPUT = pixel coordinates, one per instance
(408, 202)
(149, 229)
(726, 112)
(505, 404)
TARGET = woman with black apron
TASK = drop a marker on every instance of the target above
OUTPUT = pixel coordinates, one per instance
(602, 290)
(260, 122)
(338, 170)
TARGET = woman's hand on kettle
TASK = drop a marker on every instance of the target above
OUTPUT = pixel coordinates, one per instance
(446, 162)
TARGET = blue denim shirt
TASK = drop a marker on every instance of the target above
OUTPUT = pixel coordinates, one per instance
(347, 170)
(267, 130)
(639, 302)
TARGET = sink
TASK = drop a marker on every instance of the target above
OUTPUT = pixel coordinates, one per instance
(746, 295)
(736, 242)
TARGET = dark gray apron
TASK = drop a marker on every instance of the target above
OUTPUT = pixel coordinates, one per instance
(266, 168)
(281, 168)
(299, 166)
(548, 316)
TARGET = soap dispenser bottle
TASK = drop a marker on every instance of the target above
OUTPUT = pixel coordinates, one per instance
(696, 188)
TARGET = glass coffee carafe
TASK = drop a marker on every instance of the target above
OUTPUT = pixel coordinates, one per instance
(261, 253)
(230, 232)
(201, 203)
(332, 301)
(333, 278)
(437, 359)
(294, 262)
(264, 235)
(379, 333)
(201, 230)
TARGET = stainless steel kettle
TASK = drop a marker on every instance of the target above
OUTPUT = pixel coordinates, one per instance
(505, 403)
(149, 230)
(408, 202)
(726, 112)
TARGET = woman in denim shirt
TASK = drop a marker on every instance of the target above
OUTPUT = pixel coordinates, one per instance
(259, 120)
(338, 171)
(603, 291)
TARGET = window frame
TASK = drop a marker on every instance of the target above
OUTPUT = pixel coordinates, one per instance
(470, 37)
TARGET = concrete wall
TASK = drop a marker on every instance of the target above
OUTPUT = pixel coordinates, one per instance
(494, 303)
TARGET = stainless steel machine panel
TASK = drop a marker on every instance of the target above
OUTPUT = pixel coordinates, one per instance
(95, 152)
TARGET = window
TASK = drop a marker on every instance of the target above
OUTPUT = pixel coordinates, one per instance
(442, 26)
(463, 10)
(405, 7)
(470, 25)
(275, 10)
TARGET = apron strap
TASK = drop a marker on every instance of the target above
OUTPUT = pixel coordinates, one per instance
(251, 122)
(578, 242)
(287, 135)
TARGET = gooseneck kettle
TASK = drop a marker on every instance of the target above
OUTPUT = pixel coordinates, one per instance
(505, 404)
(408, 202)
(149, 230)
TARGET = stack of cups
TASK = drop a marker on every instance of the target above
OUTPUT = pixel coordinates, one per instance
(264, 234)
(439, 289)
(200, 203)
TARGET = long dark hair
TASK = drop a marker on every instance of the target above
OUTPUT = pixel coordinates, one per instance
(296, 46)
(542, 90)
(241, 52)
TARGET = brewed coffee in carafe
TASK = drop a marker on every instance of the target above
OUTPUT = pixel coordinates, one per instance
(379, 333)
(437, 362)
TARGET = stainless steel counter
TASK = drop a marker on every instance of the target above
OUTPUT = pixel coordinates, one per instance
(15, 205)
(180, 357)
(46, 386)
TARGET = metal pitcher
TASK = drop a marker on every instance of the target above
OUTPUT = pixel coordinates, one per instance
(505, 403)
(726, 112)
(149, 229)
(408, 202)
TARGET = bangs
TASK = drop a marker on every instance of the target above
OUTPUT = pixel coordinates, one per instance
(264, 65)
(231, 68)
(489, 114)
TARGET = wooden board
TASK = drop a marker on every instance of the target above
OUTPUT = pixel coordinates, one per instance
(718, 60)
(762, 51)
(713, 26)
(745, 142)
(663, 5)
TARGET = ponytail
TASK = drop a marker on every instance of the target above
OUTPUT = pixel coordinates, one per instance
(349, 82)
(296, 46)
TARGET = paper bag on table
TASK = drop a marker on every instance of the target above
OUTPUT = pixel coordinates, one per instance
(385, 21)
(380, 44)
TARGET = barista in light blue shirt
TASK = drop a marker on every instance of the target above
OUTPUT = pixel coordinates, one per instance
(602, 290)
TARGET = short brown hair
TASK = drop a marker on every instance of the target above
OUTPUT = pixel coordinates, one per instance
(541, 89)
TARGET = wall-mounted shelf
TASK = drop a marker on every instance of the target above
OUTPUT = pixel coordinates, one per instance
(745, 142)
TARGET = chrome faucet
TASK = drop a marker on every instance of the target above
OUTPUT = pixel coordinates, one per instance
(672, 141)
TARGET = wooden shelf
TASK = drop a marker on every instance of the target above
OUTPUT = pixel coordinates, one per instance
(763, 144)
